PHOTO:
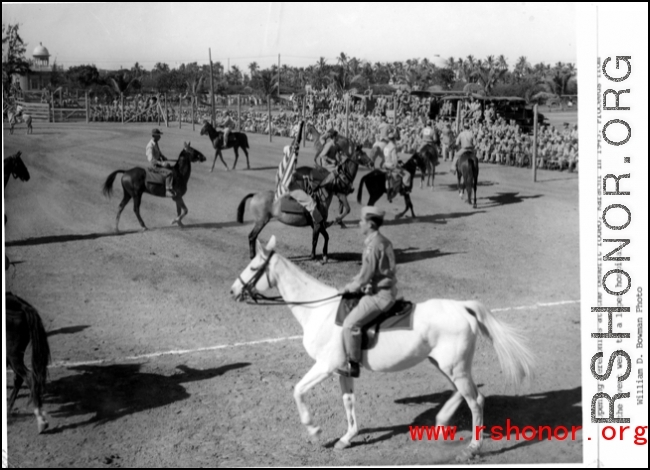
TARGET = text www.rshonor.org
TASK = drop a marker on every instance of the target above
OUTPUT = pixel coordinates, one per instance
(527, 433)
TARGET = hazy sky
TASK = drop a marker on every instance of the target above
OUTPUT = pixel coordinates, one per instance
(114, 35)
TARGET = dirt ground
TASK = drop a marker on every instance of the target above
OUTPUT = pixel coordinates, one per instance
(111, 302)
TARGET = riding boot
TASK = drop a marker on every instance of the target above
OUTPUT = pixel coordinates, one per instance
(170, 192)
(352, 339)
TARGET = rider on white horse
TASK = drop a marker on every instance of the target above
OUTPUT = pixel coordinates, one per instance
(376, 279)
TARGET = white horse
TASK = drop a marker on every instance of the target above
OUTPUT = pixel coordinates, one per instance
(16, 119)
(445, 331)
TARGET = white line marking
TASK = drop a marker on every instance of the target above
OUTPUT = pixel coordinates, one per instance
(59, 364)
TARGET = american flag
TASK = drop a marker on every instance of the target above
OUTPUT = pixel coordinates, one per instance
(287, 166)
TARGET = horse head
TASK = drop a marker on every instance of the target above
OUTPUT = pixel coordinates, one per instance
(416, 161)
(361, 157)
(206, 127)
(191, 153)
(257, 275)
(18, 168)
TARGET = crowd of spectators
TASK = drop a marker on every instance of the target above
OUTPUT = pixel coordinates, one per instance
(497, 141)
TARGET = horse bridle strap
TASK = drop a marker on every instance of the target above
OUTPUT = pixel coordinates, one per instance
(249, 287)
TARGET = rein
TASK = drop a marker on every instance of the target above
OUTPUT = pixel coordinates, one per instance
(249, 288)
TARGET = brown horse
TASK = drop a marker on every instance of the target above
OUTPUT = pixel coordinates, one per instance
(265, 208)
(431, 156)
(24, 325)
(134, 185)
(14, 166)
(235, 141)
(14, 119)
(375, 182)
(467, 168)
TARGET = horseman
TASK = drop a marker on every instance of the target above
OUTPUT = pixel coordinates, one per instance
(226, 126)
(328, 156)
(294, 187)
(378, 147)
(464, 143)
(429, 136)
(158, 162)
(393, 167)
(376, 280)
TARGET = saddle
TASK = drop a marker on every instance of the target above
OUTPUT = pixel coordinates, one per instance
(398, 317)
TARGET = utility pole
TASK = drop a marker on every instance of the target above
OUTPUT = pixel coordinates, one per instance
(278, 75)
(212, 88)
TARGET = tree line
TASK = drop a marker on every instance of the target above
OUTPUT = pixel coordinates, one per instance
(489, 76)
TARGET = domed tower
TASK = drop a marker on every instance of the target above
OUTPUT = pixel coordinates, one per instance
(41, 55)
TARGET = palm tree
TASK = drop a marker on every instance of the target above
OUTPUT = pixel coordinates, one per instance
(122, 83)
(253, 67)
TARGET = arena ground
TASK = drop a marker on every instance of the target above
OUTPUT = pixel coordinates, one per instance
(115, 304)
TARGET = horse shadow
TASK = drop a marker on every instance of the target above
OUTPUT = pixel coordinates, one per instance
(67, 238)
(503, 199)
(402, 256)
(68, 330)
(262, 168)
(454, 186)
(432, 219)
(553, 408)
(108, 393)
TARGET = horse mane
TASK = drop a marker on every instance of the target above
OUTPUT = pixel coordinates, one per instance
(301, 275)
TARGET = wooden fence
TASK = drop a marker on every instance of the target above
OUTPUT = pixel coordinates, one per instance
(40, 112)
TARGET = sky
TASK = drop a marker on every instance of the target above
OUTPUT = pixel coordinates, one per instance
(112, 35)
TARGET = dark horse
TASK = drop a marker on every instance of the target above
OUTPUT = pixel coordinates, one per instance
(467, 168)
(14, 166)
(24, 325)
(375, 181)
(264, 208)
(346, 172)
(235, 140)
(134, 185)
(430, 156)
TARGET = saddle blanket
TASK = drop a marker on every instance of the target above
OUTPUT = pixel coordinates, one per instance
(398, 317)
(154, 176)
(291, 206)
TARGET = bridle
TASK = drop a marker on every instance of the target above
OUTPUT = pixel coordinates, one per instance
(249, 287)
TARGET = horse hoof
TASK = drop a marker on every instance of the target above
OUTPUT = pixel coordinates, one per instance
(466, 455)
(314, 433)
(324, 260)
(399, 216)
(42, 426)
(144, 229)
(341, 445)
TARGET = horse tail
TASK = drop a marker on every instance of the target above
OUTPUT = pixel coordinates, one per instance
(360, 192)
(107, 190)
(40, 352)
(242, 208)
(516, 359)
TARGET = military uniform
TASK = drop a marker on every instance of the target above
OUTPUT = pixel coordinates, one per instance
(158, 162)
(377, 278)
(391, 163)
(465, 143)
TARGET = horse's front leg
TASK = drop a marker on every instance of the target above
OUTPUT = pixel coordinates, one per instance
(347, 390)
(326, 239)
(408, 205)
(316, 375)
(344, 209)
(181, 211)
(236, 157)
